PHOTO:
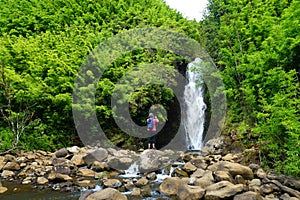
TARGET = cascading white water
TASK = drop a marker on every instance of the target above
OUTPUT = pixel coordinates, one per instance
(195, 106)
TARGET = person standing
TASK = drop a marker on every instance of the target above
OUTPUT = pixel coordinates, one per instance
(151, 126)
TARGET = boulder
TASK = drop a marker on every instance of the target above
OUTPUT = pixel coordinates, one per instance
(222, 190)
(136, 192)
(260, 173)
(198, 173)
(180, 173)
(7, 174)
(190, 192)
(119, 163)
(77, 160)
(151, 176)
(248, 196)
(42, 180)
(2, 162)
(233, 168)
(142, 181)
(199, 162)
(14, 166)
(100, 166)
(96, 155)
(112, 183)
(223, 176)
(170, 185)
(86, 172)
(206, 180)
(189, 167)
(59, 177)
(107, 194)
(74, 149)
(149, 160)
(61, 153)
(3, 189)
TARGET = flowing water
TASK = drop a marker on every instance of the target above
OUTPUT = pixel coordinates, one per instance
(195, 106)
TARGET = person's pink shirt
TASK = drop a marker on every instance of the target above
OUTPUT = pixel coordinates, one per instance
(155, 121)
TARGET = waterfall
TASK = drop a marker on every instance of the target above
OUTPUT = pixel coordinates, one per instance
(132, 171)
(195, 106)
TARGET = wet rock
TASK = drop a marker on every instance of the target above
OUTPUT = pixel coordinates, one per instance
(96, 155)
(62, 169)
(3, 189)
(223, 176)
(59, 177)
(142, 181)
(100, 166)
(74, 149)
(286, 196)
(248, 196)
(120, 163)
(86, 172)
(170, 185)
(28, 180)
(149, 160)
(260, 173)
(86, 183)
(146, 191)
(268, 188)
(223, 189)
(180, 173)
(9, 158)
(189, 167)
(199, 162)
(61, 153)
(230, 157)
(11, 166)
(238, 179)
(7, 174)
(190, 192)
(198, 173)
(206, 180)
(233, 169)
(108, 193)
(2, 162)
(77, 160)
(136, 192)
(42, 181)
(112, 183)
(151, 176)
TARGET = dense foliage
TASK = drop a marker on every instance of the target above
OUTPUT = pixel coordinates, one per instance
(256, 45)
(44, 43)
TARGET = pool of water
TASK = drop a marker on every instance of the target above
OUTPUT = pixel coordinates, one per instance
(27, 192)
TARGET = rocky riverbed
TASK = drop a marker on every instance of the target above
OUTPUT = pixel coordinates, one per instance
(107, 173)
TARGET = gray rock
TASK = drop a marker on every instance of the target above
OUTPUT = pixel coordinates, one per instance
(61, 153)
(170, 185)
(233, 168)
(206, 180)
(107, 194)
(190, 192)
(149, 160)
(248, 196)
(223, 176)
(97, 155)
(221, 190)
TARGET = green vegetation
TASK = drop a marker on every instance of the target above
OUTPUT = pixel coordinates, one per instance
(43, 45)
(255, 44)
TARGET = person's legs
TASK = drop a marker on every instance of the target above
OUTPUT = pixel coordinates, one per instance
(153, 141)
